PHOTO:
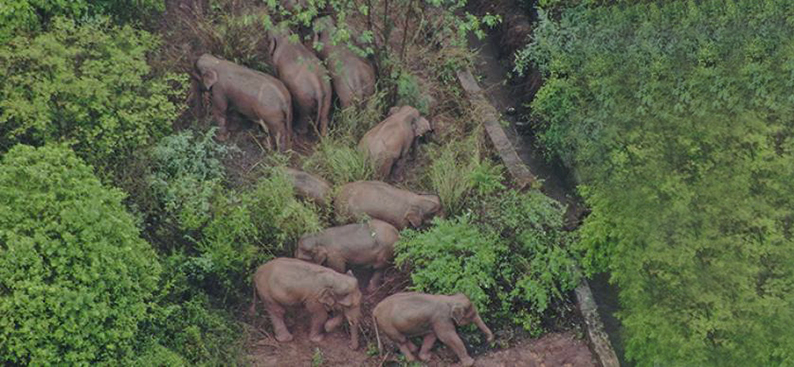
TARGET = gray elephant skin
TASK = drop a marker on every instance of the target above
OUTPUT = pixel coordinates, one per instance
(364, 244)
(379, 200)
(306, 79)
(258, 96)
(287, 283)
(309, 187)
(389, 142)
(409, 314)
(352, 76)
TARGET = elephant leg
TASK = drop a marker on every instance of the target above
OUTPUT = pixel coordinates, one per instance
(270, 133)
(334, 323)
(276, 313)
(406, 347)
(445, 331)
(319, 317)
(427, 344)
(219, 106)
(374, 282)
(399, 168)
(303, 119)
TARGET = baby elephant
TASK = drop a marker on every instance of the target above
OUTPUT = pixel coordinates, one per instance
(370, 244)
(389, 142)
(309, 187)
(284, 282)
(382, 201)
(409, 314)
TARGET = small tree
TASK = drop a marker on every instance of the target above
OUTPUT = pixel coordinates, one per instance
(75, 276)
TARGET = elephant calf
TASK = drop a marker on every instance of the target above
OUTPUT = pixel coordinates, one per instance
(309, 187)
(258, 96)
(284, 282)
(370, 244)
(389, 142)
(409, 314)
(380, 200)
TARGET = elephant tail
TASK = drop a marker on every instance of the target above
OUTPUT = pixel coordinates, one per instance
(377, 335)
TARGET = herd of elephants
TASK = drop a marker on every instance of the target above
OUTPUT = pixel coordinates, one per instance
(317, 279)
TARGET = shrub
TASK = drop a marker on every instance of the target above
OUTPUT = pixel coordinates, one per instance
(510, 258)
(86, 85)
(76, 277)
(186, 175)
(248, 228)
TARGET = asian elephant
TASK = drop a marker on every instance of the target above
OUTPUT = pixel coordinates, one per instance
(260, 97)
(380, 200)
(309, 187)
(409, 314)
(389, 142)
(370, 244)
(306, 79)
(352, 76)
(285, 282)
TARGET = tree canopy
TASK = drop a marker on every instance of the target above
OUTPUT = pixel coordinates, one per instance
(677, 118)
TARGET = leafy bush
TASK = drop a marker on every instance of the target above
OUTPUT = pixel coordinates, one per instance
(186, 175)
(509, 258)
(86, 85)
(247, 228)
(677, 116)
(76, 277)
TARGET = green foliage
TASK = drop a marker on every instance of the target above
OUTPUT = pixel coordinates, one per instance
(86, 85)
(510, 258)
(337, 160)
(458, 171)
(186, 175)
(409, 93)
(453, 256)
(76, 277)
(17, 16)
(249, 227)
(677, 117)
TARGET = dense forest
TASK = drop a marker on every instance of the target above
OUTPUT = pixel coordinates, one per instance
(131, 228)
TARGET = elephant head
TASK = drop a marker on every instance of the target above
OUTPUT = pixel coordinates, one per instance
(463, 313)
(207, 66)
(310, 250)
(420, 126)
(424, 208)
(341, 294)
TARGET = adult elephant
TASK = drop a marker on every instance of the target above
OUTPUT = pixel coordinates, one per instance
(389, 142)
(306, 79)
(409, 314)
(379, 200)
(258, 96)
(352, 76)
(284, 282)
(368, 244)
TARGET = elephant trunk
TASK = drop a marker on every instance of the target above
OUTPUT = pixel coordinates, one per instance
(353, 316)
(481, 325)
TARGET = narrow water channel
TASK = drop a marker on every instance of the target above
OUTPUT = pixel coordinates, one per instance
(558, 182)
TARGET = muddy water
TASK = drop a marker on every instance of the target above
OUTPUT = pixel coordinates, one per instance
(558, 182)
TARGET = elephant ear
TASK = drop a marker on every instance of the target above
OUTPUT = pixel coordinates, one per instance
(414, 216)
(327, 298)
(321, 254)
(209, 78)
(458, 312)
